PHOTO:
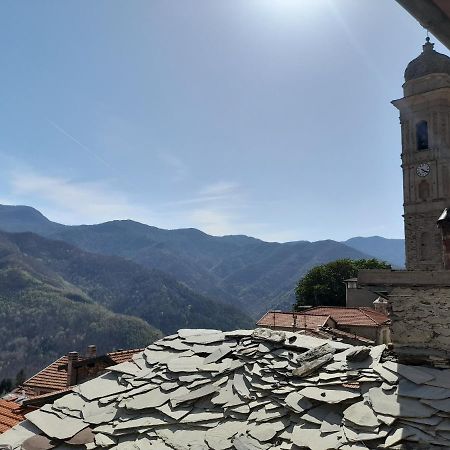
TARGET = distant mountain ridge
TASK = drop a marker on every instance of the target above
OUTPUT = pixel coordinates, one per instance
(242, 271)
(390, 250)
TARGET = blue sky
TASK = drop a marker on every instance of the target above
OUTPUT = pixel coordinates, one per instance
(270, 118)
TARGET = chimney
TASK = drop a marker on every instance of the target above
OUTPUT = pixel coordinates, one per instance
(72, 357)
(91, 351)
(444, 225)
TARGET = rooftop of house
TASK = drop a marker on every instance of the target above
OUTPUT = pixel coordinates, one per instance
(10, 414)
(320, 316)
(283, 319)
(343, 316)
(54, 376)
(248, 389)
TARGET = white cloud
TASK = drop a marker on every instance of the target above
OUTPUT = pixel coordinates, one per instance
(75, 202)
(178, 168)
(213, 221)
(220, 189)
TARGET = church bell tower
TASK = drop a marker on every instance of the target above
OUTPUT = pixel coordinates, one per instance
(425, 123)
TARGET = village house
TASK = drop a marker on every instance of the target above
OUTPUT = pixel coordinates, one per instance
(356, 325)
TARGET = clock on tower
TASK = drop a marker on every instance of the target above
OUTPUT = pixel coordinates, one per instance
(425, 122)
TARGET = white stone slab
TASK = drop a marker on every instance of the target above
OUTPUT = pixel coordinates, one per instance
(55, 427)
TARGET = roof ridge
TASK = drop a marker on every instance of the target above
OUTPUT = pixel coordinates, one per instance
(367, 315)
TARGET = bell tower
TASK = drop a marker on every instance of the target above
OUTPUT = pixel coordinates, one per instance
(425, 124)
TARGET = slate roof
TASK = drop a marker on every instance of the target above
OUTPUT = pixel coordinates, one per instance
(10, 414)
(280, 319)
(358, 317)
(247, 390)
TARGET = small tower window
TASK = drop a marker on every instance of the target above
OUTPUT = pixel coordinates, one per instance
(422, 135)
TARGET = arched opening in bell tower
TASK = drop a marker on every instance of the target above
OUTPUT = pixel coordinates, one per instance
(422, 135)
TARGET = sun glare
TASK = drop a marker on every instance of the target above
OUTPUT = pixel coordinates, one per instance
(293, 9)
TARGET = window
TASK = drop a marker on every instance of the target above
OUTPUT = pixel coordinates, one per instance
(422, 135)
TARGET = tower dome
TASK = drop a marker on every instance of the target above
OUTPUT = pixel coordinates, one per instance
(428, 62)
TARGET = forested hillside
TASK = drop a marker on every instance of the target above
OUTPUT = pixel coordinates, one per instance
(42, 316)
(55, 298)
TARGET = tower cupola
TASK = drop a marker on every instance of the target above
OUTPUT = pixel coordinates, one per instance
(427, 63)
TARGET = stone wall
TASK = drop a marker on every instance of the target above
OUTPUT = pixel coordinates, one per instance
(419, 304)
(421, 322)
(423, 242)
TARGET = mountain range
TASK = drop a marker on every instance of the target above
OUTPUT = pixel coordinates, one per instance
(145, 280)
(242, 271)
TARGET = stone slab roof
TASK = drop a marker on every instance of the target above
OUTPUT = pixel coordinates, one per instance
(247, 390)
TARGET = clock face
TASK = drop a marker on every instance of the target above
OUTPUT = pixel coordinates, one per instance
(423, 169)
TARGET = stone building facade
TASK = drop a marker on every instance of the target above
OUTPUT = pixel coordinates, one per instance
(419, 297)
(425, 123)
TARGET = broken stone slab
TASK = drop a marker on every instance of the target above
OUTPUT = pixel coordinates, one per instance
(195, 394)
(396, 406)
(188, 332)
(269, 335)
(441, 405)
(185, 364)
(55, 427)
(128, 367)
(362, 415)
(206, 338)
(409, 389)
(358, 354)
(387, 375)
(243, 442)
(240, 386)
(298, 403)
(315, 353)
(102, 386)
(219, 438)
(309, 367)
(331, 422)
(354, 435)
(312, 438)
(412, 373)
(218, 354)
(83, 437)
(38, 443)
(150, 399)
(330, 395)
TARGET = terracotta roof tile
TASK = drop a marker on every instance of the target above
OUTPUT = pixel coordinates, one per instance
(53, 378)
(278, 319)
(10, 414)
(358, 317)
(50, 378)
(124, 355)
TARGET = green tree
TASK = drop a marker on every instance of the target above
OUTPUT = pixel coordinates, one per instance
(324, 284)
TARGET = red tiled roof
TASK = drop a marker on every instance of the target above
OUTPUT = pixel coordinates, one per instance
(50, 378)
(279, 319)
(10, 414)
(124, 355)
(53, 378)
(358, 317)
